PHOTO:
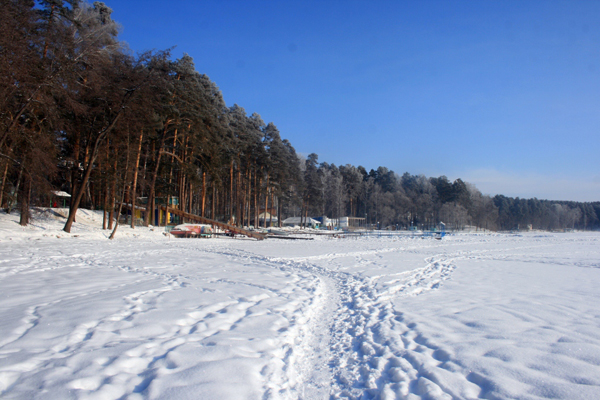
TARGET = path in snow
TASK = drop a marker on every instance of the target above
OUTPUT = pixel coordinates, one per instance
(354, 344)
(370, 347)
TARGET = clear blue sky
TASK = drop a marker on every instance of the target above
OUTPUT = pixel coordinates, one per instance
(503, 94)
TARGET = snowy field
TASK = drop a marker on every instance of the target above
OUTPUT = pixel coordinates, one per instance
(151, 317)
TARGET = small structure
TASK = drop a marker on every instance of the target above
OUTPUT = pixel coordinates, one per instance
(161, 215)
(352, 223)
(58, 195)
(137, 214)
(295, 221)
(441, 231)
(327, 223)
(266, 216)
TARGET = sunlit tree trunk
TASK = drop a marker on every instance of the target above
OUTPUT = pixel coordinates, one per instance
(249, 196)
(123, 194)
(135, 176)
(266, 199)
(238, 198)
(151, 190)
(256, 203)
(113, 195)
(271, 209)
(203, 194)
(190, 198)
(230, 211)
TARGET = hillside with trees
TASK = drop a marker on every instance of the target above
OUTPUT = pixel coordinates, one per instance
(80, 114)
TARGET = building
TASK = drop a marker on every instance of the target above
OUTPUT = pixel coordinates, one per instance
(295, 221)
(270, 219)
(352, 223)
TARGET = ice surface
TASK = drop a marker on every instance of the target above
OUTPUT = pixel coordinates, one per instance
(147, 316)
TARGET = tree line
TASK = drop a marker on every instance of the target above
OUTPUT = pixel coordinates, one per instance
(81, 114)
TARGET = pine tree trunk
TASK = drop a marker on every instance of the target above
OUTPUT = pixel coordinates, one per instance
(238, 198)
(17, 187)
(306, 212)
(278, 213)
(3, 183)
(105, 203)
(123, 192)
(242, 203)
(169, 197)
(271, 210)
(231, 190)
(86, 161)
(181, 193)
(256, 203)
(113, 196)
(151, 201)
(214, 202)
(135, 176)
(105, 211)
(249, 196)
(24, 199)
(190, 197)
(266, 199)
(105, 193)
(266, 204)
(75, 169)
(203, 201)
(112, 235)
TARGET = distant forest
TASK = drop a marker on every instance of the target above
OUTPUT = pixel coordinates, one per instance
(79, 113)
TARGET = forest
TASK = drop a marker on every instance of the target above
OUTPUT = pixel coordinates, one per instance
(80, 113)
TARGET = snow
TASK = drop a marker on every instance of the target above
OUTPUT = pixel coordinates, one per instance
(148, 316)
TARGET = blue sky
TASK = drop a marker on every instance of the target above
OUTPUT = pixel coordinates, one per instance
(503, 94)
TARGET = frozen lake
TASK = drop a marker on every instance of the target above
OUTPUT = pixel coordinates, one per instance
(148, 317)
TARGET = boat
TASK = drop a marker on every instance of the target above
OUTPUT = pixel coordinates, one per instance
(192, 231)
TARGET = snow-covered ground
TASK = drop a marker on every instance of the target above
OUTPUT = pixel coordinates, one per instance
(148, 316)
